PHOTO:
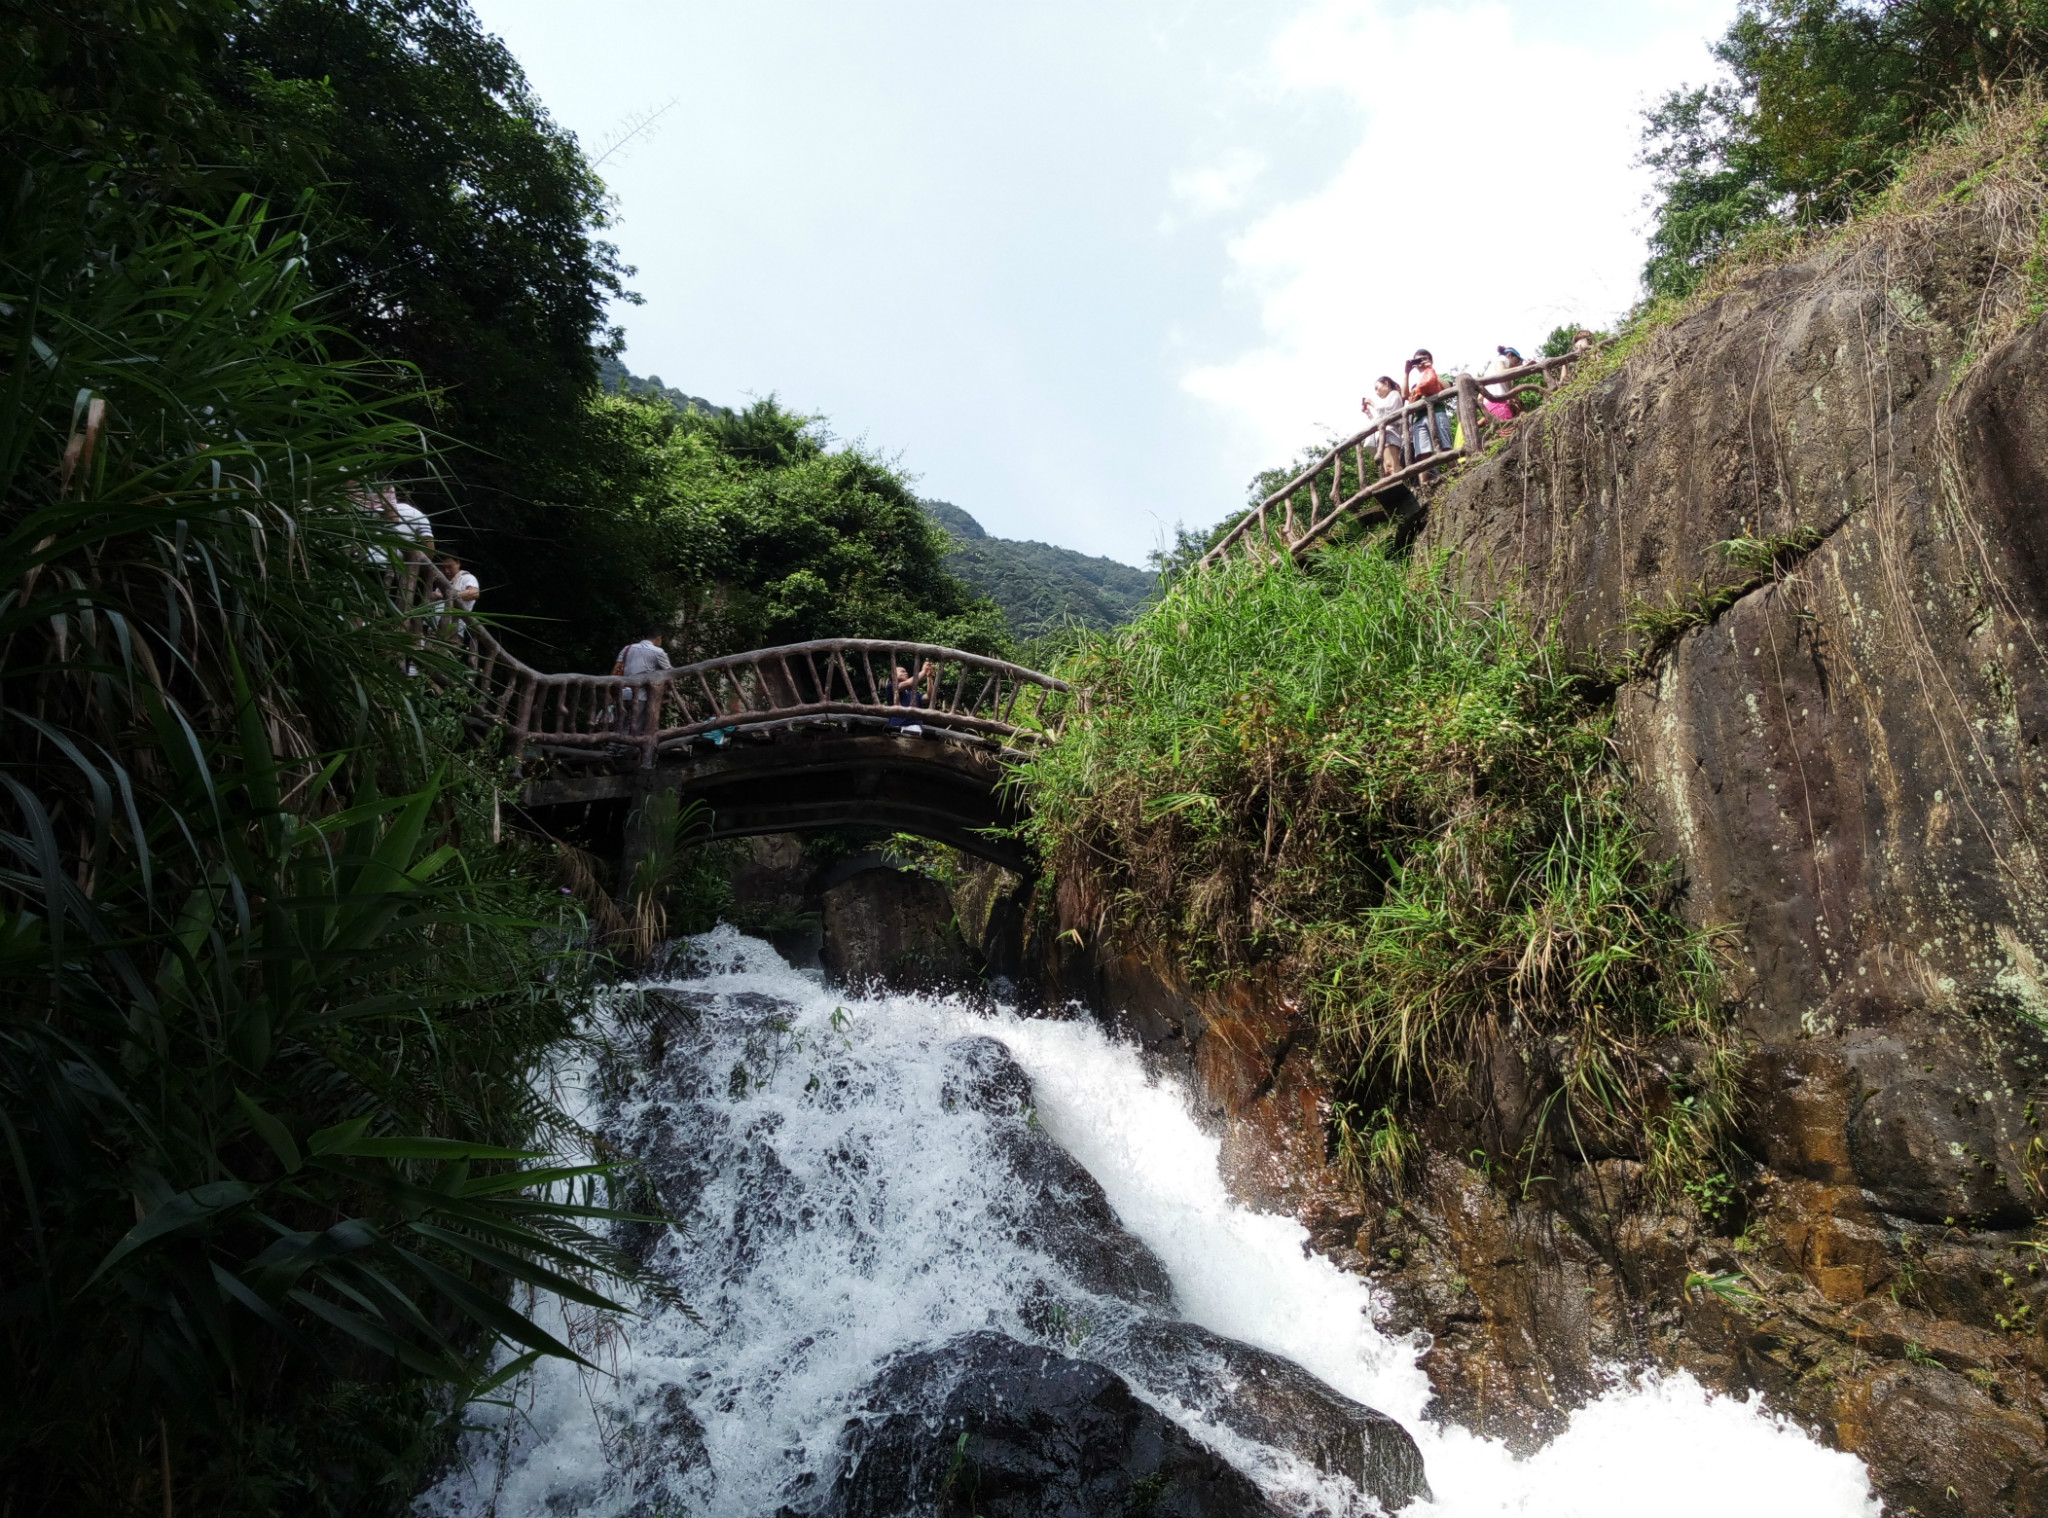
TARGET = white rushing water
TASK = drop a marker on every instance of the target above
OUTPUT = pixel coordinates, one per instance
(842, 1208)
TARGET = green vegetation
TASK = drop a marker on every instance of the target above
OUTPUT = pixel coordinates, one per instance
(1409, 809)
(746, 529)
(272, 1003)
(1041, 589)
(614, 375)
(275, 998)
(277, 990)
(1821, 102)
(451, 225)
(1753, 561)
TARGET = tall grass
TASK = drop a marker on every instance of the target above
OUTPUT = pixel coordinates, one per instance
(272, 1004)
(1410, 807)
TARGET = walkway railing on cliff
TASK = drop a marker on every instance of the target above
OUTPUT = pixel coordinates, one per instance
(828, 681)
(1301, 513)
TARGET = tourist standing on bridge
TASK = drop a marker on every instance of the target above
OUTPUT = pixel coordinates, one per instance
(647, 657)
(1384, 406)
(411, 521)
(1420, 383)
(462, 585)
(904, 690)
(463, 590)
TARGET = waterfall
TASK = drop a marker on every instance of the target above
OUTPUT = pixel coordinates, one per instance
(847, 1201)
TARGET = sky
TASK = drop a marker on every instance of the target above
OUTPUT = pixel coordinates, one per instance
(1083, 267)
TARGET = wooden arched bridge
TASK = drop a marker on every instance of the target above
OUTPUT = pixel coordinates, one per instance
(805, 736)
(815, 735)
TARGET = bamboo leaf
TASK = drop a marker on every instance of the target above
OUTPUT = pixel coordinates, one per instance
(272, 1132)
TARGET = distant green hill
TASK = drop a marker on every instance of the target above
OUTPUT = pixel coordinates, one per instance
(614, 375)
(1039, 587)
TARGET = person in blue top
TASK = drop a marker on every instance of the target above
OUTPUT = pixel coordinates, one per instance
(906, 689)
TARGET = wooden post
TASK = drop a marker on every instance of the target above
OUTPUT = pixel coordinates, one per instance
(519, 727)
(1468, 413)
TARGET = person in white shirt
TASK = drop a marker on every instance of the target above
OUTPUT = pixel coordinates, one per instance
(647, 657)
(461, 583)
(411, 520)
(1384, 406)
(463, 591)
(406, 519)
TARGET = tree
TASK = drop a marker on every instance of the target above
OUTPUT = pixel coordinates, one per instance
(1818, 101)
(461, 231)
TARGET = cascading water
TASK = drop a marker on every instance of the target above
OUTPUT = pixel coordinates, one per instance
(849, 1176)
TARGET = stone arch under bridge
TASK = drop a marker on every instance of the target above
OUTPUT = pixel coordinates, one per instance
(807, 778)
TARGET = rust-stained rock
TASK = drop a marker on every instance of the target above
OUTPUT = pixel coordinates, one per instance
(1848, 761)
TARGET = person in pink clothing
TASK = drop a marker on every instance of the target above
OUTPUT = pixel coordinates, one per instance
(1499, 400)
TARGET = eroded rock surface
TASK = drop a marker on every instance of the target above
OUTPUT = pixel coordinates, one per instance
(986, 1425)
(1274, 1401)
(1846, 761)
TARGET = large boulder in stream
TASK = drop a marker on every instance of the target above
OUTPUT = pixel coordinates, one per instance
(1269, 1399)
(1056, 1206)
(893, 929)
(988, 1426)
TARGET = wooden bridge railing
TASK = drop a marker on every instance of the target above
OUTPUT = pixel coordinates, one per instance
(1301, 513)
(829, 681)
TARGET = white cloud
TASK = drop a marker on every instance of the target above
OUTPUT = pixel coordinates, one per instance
(1217, 187)
(1491, 195)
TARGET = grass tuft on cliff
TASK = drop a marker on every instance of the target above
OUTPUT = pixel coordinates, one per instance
(1408, 808)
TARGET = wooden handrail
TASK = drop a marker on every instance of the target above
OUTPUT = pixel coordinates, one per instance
(1277, 525)
(820, 682)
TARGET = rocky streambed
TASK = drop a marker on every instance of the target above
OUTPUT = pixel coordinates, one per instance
(935, 1258)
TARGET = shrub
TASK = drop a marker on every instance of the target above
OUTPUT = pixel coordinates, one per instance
(1409, 808)
(272, 1004)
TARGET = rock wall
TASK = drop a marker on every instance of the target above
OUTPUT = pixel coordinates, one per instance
(1837, 734)
(870, 918)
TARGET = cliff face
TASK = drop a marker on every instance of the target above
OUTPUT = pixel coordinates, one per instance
(1836, 731)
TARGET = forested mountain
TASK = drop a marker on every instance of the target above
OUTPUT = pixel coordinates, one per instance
(613, 374)
(1039, 587)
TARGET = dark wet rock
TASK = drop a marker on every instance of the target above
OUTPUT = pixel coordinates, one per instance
(1045, 1436)
(895, 929)
(675, 1010)
(1271, 1400)
(983, 1076)
(1061, 1210)
(1946, 1447)
(664, 1444)
(1057, 1206)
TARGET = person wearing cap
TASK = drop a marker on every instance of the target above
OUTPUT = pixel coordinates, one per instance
(1420, 382)
(1499, 400)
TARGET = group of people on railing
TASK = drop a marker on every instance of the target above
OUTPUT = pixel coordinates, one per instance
(1415, 414)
